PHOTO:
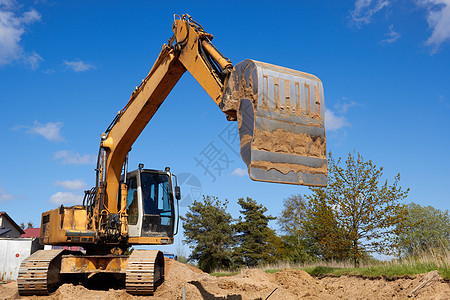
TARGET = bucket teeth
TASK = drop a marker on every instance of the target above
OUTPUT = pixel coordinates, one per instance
(280, 114)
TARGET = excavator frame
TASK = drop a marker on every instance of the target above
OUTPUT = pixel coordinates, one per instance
(280, 115)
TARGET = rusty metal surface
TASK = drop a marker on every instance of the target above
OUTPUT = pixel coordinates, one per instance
(150, 240)
(39, 273)
(281, 116)
(93, 264)
(145, 269)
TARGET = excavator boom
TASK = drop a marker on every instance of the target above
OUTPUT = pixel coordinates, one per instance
(132, 119)
(280, 111)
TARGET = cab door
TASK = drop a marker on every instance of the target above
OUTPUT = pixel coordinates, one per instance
(158, 205)
(133, 206)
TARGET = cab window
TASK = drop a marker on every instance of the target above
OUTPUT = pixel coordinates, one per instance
(157, 203)
(132, 201)
(155, 193)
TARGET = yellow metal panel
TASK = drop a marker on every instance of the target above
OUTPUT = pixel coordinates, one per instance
(148, 240)
(68, 219)
(55, 233)
(73, 218)
(93, 264)
(80, 219)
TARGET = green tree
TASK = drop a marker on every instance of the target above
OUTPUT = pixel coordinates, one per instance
(368, 212)
(275, 250)
(298, 245)
(209, 233)
(325, 235)
(255, 238)
(293, 215)
(312, 230)
(296, 250)
(28, 225)
(427, 228)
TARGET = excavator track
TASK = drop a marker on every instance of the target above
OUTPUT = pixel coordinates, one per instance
(39, 273)
(145, 270)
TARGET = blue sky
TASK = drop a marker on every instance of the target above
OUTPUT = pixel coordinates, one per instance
(67, 67)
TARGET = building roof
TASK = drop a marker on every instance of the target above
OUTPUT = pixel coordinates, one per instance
(4, 230)
(5, 215)
(31, 232)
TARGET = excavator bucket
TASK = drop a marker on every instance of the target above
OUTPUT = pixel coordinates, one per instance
(280, 114)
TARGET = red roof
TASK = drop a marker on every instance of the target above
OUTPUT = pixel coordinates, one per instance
(31, 232)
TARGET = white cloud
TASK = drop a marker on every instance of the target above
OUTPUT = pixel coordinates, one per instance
(34, 60)
(392, 35)
(5, 196)
(12, 27)
(48, 71)
(365, 9)
(79, 65)
(50, 131)
(239, 172)
(73, 158)
(65, 198)
(72, 185)
(334, 122)
(343, 105)
(437, 15)
(438, 18)
(7, 4)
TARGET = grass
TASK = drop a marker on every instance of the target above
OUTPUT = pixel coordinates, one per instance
(388, 270)
(409, 267)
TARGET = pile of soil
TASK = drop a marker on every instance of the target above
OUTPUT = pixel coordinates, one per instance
(256, 284)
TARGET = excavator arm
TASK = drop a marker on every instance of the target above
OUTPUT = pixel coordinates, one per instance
(145, 100)
(130, 121)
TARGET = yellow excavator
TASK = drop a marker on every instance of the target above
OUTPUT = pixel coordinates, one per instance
(280, 115)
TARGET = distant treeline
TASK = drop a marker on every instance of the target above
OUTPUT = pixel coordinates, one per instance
(355, 216)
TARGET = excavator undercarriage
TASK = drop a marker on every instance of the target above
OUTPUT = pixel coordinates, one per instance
(42, 272)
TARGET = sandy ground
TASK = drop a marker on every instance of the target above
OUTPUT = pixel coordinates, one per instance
(255, 284)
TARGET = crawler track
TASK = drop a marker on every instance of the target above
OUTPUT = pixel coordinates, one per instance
(39, 273)
(145, 269)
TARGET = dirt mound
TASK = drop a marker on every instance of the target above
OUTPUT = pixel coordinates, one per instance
(346, 287)
(8, 290)
(300, 284)
(255, 284)
(66, 291)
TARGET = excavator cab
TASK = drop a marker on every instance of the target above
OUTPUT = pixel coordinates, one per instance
(151, 204)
